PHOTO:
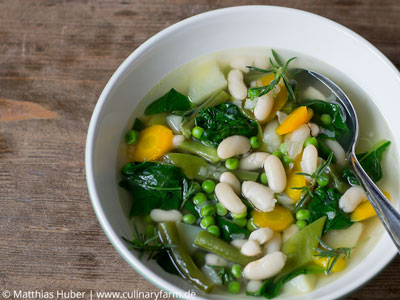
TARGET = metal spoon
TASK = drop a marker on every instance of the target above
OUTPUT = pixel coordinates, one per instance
(389, 216)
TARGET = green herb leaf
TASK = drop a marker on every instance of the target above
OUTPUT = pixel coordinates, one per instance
(371, 160)
(280, 71)
(222, 121)
(152, 245)
(153, 185)
(171, 101)
(230, 230)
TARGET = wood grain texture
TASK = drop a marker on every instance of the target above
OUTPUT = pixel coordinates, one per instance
(57, 56)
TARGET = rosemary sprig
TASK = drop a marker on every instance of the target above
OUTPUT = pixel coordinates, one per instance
(152, 245)
(308, 190)
(279, 68)
(332, 254)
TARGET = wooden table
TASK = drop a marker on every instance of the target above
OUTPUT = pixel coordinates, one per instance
(55, 58)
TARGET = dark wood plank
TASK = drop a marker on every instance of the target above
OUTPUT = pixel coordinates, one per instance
(55, 57)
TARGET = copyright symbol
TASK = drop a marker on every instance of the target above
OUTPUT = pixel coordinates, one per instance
(6, 294)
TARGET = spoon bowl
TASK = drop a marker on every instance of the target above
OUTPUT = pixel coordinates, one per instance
(389, 216)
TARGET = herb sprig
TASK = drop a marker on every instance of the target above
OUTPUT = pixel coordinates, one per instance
(152, 245)
(332, 254)
(307, 191)
(279, 68)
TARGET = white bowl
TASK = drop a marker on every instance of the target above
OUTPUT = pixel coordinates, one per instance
(238, 27)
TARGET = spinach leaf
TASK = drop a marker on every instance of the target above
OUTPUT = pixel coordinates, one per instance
(153, 185)
(164, 261)
(138, 125)
(371, 160)
(348, 174)
(271, 287)
(325, 202)
(333, 109)
(338, 129)
(230, 230)
(171, 101)
(222, 121)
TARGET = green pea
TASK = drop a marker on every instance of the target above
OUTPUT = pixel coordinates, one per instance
(303, 214)
(301, 224)
(199, 199)
(150, 231)
(221, 211)
(239, 216)
(278, 154)
(326, 119)
(207, 222)
(240, 222)
(283, 148)
(189, 219)
(197, 132)
(237, 270)
(250, 225)
(263, 178)
(208, 186)
(311, 141)
(234, 287)
(208, 210)
(254, 142)
(287, 160)
(214, 230)
(323, 180)
(232, 163)
(131, 137)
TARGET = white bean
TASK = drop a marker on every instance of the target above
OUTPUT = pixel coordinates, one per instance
(264, 107)
(274, 244)
(238, 243)
(251, 248)
(232, 180)
(177, 140)
(232, 146)
(351, 198)
(309, 160)
(254, 161)
(314, 129)
(261, 235)
(236, 86)
(161, 215)
(241, 63)
(215, 260)
(266, 267)
(338, 151)
(259, 195)
(253, 286)
(289, 232)
(228, 198)
(275, 174)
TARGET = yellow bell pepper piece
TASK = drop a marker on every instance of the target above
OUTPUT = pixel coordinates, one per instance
(281, 97)
(294, 181)
(295, 119)
(154, 141)
(278, 219)
(339, 266)
(365, 210)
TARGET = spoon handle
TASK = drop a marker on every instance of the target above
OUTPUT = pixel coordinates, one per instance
(389, 216)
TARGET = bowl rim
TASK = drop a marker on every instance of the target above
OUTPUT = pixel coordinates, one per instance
(137, 53)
